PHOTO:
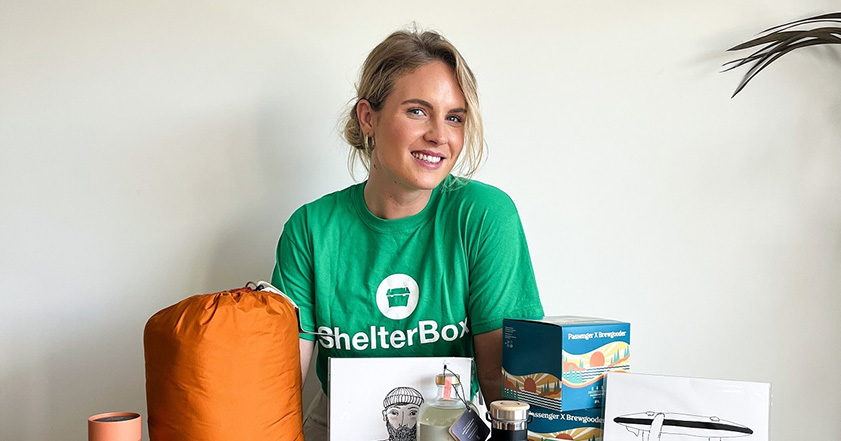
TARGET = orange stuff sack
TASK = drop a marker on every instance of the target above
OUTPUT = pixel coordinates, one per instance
(224, 366)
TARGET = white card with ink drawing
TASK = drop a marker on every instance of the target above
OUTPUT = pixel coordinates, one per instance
(641, 407)
(375, 399)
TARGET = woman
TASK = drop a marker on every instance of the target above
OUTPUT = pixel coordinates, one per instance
(413, 261)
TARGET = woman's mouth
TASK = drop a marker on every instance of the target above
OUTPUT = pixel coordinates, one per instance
(427, 158)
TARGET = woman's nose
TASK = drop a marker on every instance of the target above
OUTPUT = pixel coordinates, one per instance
(436, 132)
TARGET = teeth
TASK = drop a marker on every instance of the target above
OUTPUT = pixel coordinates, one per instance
(427, 158)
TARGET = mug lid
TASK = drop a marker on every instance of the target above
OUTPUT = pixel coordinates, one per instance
(509, 411)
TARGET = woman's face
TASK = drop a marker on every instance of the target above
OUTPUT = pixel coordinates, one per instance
(419, 131)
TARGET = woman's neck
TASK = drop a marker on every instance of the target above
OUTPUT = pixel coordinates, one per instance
(393, 203)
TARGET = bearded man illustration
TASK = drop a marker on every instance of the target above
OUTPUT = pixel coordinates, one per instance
(400, 413)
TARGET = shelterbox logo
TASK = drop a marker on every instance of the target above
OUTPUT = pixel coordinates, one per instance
(397, 296)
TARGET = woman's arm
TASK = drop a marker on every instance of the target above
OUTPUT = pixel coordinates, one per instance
(502, 283)
(306, 347)
(488, 351)
(293, 275)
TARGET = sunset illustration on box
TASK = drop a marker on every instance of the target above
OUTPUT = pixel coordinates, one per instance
(586, 369)
(542, 384)
(578, 371)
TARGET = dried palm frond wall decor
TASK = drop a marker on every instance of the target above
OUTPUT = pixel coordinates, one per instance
(775, 42)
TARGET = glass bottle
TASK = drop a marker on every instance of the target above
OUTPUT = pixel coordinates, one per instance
(437, 415)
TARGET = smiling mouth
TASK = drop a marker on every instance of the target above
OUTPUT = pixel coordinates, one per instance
(427, 158)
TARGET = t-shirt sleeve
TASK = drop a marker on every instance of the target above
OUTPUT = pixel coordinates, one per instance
(502, 282)
(293, 272)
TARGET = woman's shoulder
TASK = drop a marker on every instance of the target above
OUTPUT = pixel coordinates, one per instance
(480, 210)
(325, 206)
(478, 194)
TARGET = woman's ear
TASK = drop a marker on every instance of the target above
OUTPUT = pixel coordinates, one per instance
(365, 115)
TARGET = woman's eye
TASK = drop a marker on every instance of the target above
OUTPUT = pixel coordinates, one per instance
(416, 111)
(455, 118)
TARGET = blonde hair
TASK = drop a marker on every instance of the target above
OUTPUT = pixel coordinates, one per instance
(400, 53)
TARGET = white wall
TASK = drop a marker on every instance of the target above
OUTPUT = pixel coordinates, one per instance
(152, 150)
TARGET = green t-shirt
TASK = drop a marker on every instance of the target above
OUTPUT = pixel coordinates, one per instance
(411, 287)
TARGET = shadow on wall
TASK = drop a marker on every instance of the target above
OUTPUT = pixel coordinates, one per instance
(96, 363)
(287, 167)
(74, 383)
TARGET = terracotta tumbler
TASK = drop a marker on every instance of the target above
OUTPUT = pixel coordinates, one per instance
(114, 426)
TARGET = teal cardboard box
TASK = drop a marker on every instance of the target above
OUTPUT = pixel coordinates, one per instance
(558, 363)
